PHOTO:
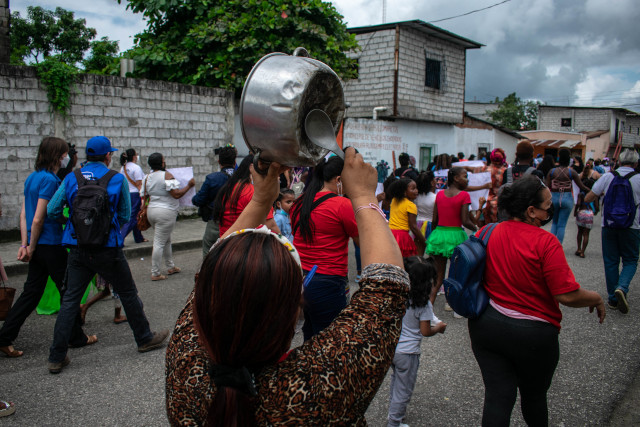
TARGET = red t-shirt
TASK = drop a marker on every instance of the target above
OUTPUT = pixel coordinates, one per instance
(449, 208)
(231, 214)
(334, 223)
(525, 269)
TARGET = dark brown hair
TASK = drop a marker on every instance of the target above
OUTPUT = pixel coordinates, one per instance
(49, 153)
(246, 302)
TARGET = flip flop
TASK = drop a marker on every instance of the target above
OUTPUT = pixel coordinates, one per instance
(174, 270)
(121, 319)
(9, 408)
(91, 339)
(11, 352)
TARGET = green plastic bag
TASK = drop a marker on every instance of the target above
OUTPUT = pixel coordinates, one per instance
(50, 301)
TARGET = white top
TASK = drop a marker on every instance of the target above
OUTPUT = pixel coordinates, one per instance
(158, 189)
(410, 336)
(602, 185)
(425, 204)
(135, 173)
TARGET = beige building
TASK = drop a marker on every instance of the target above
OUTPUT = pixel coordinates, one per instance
(587, 145)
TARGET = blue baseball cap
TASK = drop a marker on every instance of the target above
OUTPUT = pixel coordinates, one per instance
(99, 145)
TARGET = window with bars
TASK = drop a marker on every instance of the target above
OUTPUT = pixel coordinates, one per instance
(432, 73)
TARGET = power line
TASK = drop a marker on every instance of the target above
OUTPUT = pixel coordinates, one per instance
(469, 13)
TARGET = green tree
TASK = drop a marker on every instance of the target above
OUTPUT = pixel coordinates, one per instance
(515, 113)
(44, 33)
(104, 53)
(216, 42)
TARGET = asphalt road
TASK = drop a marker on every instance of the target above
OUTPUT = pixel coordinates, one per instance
(111, 384)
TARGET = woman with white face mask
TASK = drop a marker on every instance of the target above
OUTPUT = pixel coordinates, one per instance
(41, 246)
(322, 223)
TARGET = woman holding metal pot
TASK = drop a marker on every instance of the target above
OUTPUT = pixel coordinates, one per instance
(322, 221)
(515, 340)
(229, 360)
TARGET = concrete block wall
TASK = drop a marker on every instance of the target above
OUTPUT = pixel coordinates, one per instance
(374, 86)
(415, 100)
(185, 123)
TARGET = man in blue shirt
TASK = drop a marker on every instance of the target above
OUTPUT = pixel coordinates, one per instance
(108, 261)
(206, 196)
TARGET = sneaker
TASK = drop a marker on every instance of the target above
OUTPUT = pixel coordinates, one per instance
(457, 316)
(56, 367)
(623, 305)
(156, 342)
(612, 305)
(447, 307)
(441, 290)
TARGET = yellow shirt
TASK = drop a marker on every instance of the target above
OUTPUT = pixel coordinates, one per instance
(399, 218)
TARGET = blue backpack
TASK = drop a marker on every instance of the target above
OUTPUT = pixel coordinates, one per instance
(463, 287)
(619, 207)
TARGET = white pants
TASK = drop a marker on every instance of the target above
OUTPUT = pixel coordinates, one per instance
(162, 220)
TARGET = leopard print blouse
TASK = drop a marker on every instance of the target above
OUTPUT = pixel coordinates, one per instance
(330, 379)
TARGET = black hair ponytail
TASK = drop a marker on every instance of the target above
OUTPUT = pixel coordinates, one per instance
(301, 209)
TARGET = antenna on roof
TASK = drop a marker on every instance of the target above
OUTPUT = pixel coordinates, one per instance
(384, 11)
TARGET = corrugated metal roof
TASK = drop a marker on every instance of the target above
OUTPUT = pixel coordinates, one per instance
(556, 143)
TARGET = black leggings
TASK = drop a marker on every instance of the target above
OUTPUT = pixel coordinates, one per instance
(514, 354)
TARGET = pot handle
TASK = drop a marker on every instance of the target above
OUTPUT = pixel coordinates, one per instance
(300, 51)
(257, 162)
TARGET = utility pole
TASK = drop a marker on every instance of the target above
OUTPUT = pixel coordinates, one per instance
(384, 11)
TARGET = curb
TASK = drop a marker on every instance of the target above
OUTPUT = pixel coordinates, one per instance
(15, 268)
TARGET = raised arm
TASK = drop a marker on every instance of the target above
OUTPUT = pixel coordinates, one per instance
(377, 244)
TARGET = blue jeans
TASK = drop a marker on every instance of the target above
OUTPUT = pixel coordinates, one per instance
(562, 207)
(83, 264)
(324, 299)
(619, 244)
(132, 225)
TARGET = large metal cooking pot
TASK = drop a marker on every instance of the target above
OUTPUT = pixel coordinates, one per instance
(279, 93)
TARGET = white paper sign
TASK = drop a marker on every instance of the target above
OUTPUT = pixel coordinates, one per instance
(476, 179)
(469, 163)
(183, 175)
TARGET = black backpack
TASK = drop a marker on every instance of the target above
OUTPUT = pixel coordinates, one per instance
(91, 212)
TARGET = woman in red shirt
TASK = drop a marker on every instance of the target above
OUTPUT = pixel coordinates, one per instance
(235, 195)
(322, 223)
(515, 341)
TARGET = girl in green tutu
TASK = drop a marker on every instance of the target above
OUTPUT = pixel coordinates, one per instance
(450, 213)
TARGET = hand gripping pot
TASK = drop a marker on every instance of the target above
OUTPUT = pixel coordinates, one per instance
(279, 93)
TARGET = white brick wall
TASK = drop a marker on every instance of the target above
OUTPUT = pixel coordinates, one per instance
(185, 123)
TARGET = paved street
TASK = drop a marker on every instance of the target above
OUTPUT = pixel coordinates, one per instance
(111, 384)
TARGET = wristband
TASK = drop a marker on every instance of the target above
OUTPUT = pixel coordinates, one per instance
(371, 206)
(23, 246)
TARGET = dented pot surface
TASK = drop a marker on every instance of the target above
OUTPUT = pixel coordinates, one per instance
(278, 94)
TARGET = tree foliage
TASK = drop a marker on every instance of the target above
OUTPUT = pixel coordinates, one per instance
(515, 113)
(216, 42)
(44, 33)
(104, 53)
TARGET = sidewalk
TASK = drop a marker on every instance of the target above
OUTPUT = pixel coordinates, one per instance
(186, 235)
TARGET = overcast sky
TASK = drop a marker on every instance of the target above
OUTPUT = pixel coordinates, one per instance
(562, 52)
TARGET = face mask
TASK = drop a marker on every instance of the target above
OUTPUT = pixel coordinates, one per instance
(549, 218)
(65, 161)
